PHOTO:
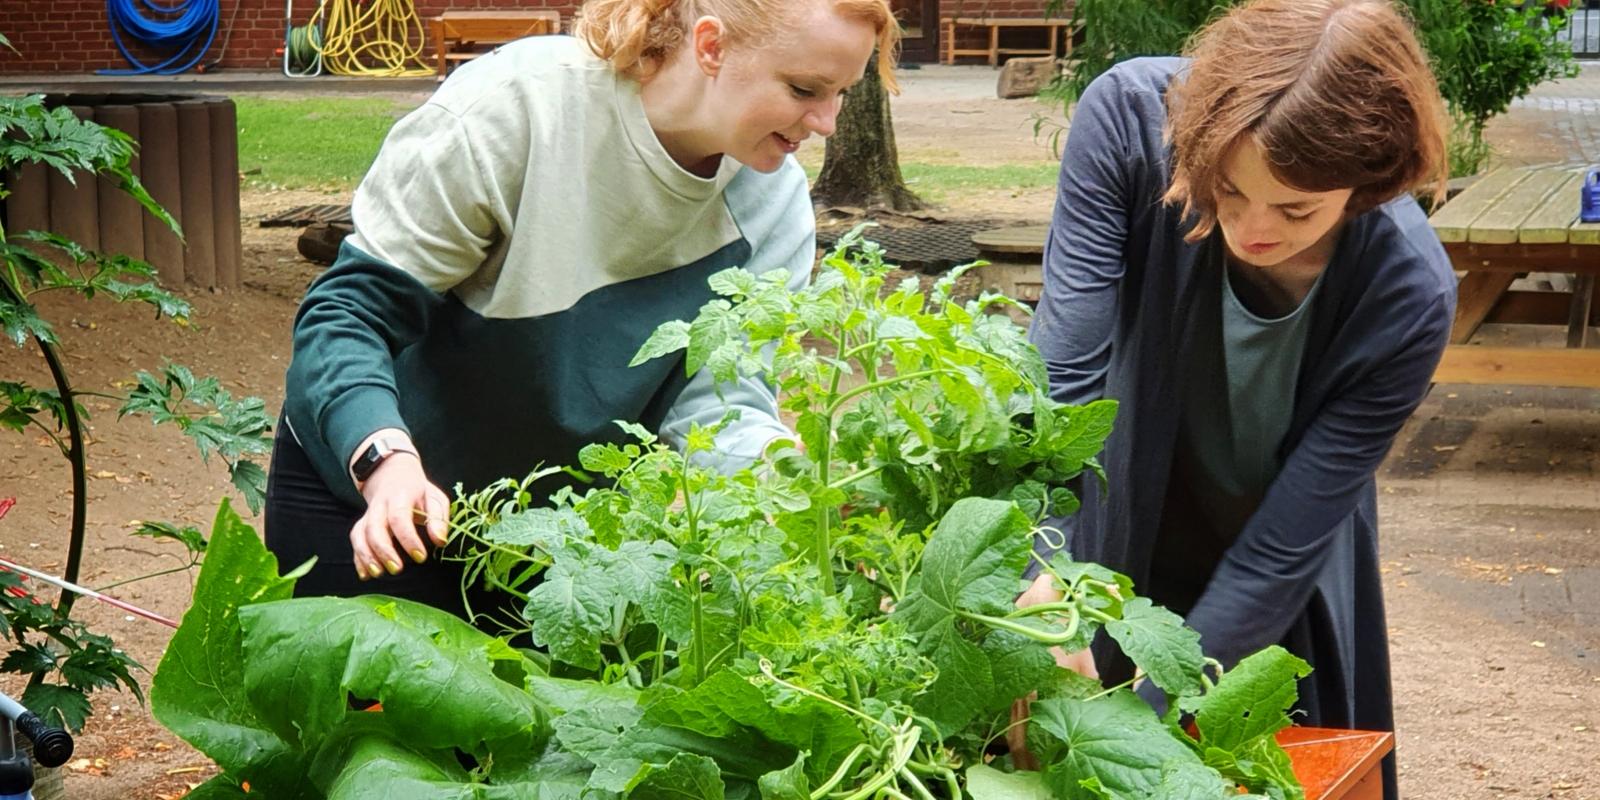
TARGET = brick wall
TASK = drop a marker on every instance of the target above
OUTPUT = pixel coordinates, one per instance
(74, 36)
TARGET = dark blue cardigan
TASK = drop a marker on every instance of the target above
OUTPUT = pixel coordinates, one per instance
(1120, 286)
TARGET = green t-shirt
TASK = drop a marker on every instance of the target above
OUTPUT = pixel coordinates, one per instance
(1238, 400)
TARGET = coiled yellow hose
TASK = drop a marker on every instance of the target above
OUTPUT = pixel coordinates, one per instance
(384, 39)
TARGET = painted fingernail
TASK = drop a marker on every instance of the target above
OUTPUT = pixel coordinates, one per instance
(419, 556)
(361, 572)
(394, 566)
(374, 570)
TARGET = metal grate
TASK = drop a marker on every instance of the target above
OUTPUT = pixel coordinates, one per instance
(927, 246)
(302, 216)
(1583, 28)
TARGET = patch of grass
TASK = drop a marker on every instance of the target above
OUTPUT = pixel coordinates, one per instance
(313, 142)
(937, 182)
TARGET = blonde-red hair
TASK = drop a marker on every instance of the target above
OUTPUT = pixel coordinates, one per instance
(636, 36)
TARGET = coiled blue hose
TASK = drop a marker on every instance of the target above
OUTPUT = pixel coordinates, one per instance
(185, 29)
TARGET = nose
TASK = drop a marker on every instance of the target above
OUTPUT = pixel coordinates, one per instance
(824, 119)
(1255, 224)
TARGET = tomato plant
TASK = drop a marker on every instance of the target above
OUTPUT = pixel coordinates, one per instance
(837, 622)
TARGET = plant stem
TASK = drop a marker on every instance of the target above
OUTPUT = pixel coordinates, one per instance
(185, 568)
(696, 601)
(1044, 637)
(837, 403)
(75, 455)
(916, 784)
(839, 774)
(824, 541)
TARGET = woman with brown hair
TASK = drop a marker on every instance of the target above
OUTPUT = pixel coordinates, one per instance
(1236, 258)
(519, 238)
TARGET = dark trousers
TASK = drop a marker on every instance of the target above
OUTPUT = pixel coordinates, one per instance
(305, 520)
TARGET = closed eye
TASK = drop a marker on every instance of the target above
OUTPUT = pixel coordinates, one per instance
(801, 91)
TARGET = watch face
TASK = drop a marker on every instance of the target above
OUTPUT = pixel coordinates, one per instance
(370, 458)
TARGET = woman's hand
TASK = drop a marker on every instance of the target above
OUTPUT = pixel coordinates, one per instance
(1042, 590)
(399, 498)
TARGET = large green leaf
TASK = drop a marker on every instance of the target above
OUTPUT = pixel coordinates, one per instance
(571, 608)
(198, 691)
(435, 675)
(685, 777)
(1251, 700)
(1115, 742)
(1159, 644)
(987, 783)
(728, 706)
(972, 563)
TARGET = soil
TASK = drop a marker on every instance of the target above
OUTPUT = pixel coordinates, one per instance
(1489, 504)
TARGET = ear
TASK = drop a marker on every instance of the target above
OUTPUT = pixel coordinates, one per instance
(707, 38)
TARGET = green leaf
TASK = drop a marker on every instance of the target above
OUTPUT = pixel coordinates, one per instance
(728, 706)
(198, 690)
(734, 282)
(570, 609)
(190, 537)
(788, 783)
(545, 528)
(606, 459)
(1251, 700)
(974, 560)
(972, 563)
(29, 658)
(21, 323)
(1116, 740)
(642, 573)
(1019, 665)
(251, 481)
(670, 337)
(686, 777)
(60, 706)
(436, 676)
(1158, 643)
(715, 326)
(987, 783)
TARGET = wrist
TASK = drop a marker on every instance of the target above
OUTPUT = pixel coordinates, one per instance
(375, 450)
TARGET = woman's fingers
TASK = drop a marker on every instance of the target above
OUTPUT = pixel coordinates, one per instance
(403, 528)
(366, 566)
(437, 508)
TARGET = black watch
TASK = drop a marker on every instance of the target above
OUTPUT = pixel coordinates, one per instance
(380, 449)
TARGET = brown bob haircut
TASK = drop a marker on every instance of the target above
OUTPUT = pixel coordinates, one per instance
(1337, 93)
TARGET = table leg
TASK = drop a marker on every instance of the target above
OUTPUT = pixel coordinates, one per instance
(994, 45)
(1055, 35)
(1582, 304)
(948, 46)
(1475, 298)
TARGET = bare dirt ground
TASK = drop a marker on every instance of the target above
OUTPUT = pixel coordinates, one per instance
(1490, 502)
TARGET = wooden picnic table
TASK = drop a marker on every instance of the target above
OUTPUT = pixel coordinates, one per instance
(993, 52)
(1514, 221)
(462, 35)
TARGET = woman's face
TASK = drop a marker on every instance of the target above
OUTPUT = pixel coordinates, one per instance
(1264, 221)
(771, 96)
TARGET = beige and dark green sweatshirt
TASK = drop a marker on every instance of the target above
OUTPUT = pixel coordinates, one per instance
(517, 240)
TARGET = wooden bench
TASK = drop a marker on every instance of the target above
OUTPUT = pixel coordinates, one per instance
(994, 51)
(464, 35)
(1515, 221)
